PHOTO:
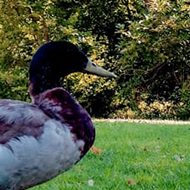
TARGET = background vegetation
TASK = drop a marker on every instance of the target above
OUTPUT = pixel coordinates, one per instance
(145, 42)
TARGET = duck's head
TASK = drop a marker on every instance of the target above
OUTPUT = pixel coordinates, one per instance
(54, 60)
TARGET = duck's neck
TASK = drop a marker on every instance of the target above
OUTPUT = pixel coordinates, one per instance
(42, 75)
(45, 79)
(41, 84)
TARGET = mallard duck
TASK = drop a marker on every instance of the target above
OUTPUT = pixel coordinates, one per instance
(45, 138)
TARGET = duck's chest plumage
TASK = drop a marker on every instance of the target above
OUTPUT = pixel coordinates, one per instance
(39, 141)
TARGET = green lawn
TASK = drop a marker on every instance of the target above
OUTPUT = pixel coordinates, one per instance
(135, 156)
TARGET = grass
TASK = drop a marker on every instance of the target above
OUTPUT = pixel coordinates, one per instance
(135, 156)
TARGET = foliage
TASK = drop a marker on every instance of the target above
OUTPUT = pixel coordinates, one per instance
(157, 109)
(184, 110)
(20, 35)
(156, 50)
(145, 42)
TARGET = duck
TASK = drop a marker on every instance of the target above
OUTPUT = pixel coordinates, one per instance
(44, 138)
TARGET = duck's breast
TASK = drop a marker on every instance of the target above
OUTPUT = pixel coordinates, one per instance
(28, 159)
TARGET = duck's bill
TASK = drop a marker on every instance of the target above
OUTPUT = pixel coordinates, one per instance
(92, 68)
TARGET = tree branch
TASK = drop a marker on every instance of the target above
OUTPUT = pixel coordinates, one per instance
(45, 29)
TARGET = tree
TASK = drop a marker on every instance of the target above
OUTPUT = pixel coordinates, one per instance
(156, 51)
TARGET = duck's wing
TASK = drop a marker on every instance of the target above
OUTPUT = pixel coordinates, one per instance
(18, 119)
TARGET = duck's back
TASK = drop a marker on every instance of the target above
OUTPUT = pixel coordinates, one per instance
(19, 118)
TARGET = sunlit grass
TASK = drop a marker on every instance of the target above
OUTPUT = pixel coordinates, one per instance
(135, 156)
